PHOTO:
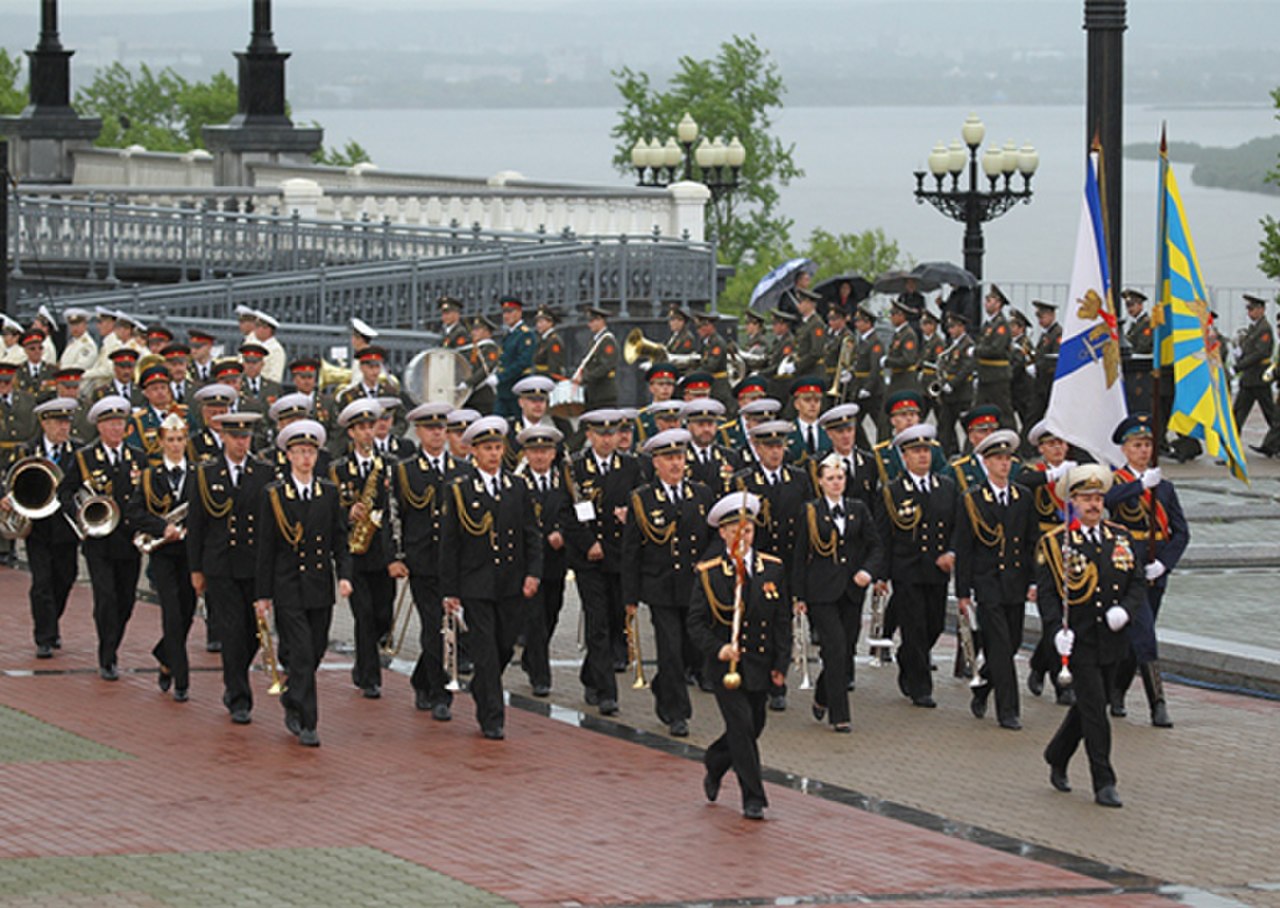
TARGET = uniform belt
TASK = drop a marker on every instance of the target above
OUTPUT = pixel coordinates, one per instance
(903, 371)
(719, 374)
(862, 375)
(993, 362)
(1146, 534)
(12, 444)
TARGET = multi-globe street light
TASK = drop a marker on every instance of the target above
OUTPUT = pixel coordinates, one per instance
(719, 164)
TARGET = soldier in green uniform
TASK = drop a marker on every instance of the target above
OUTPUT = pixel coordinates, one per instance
(453, 332)
(257, 393)
(1022, 364)
(548, 358)
(902, 410)
(810, 334)
(35, 374)
(866, 388)
(932, 343)
(993, 349)
(1253, 355)
(66, 386)
(781, 367)
(902, 358)
(837, 335)
(661, 379)
(143, 431)
(682, 346)
(518, 347)
(808, 439)
(123, 361)
(757, 343)
(713, 356)
(1138, 334)
(733, 432)
(201, 369)
(598, 374)
(1045, 364)
(956, 368)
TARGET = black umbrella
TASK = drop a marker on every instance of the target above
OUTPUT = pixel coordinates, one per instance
(938, 273)
(829, 289)
(896, 282)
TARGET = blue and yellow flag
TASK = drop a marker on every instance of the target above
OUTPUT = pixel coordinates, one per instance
(1185, 337)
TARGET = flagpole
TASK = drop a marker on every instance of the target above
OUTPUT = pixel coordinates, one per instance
(1162, 299)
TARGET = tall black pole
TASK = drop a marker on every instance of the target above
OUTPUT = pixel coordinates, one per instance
(1104, 21)
(4, 226)
(974, 246)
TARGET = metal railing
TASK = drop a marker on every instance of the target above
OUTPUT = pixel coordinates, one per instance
(107, 238)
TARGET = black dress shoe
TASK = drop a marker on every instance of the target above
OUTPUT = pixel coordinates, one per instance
(842, 728)
(165, 680)
(925, 702)
(753, 811)
(1058, 778)
(494, 734)
(707, 685)
(1117, 706)
(710, 787)
(421, 700)
(978, 702)
(679, 729)
(372, 692)
(293, 722)
(778, 702)
(1035, 683)
(466, 667)
(181, 695)
(592, 696)
(819, 712)
(1261, 450)
(108, 673)
(213, 646)
(608, 707)
(1107, 796)
(308, 738)
(1160, 715)
(442, 712)
(57, 643)
(542, 690)
(1013, 723)
(44, 651)
(241, 716)
(1067, 696)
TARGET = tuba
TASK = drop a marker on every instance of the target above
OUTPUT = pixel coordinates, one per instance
(637, 347)
(32, 488)
(97, 515)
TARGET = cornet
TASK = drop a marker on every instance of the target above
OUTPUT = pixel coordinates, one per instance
(452, 624)
(97, 515)
(145, 543)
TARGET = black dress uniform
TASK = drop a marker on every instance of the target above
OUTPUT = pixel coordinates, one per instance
(160, 490)
(554, 510)
(419, 484)
(833, 544)
(489, 544)
(302, 538)
(661, 545)
(1095, 576)
(113, 561)
(600, 582)
(52, 555)
(223, 533)
(373, 589)
(916, 525)
(713, 466)
(994, 541)
(765, 640)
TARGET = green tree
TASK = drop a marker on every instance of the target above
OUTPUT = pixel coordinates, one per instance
(207, 104)
(13, 98)
(348, 156)
(1269, 251)
(161, 111)
(730, 96)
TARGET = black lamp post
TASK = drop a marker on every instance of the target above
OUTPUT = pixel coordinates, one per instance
(719, 166)
(974, 206)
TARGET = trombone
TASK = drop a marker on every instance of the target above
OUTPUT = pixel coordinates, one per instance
(452, 624)
(877, 644)
(800, 648)
(633, 650)
(269, 663)
(394, 641)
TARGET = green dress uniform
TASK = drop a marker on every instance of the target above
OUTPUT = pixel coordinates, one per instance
(956, 368)
(1021, 384)
(18, 425)
(256, 396)
(783, 347)
(548, 358)
(600, 372)
(38, 381)
(1140, 337)
(1046, 360)
(714, 360)
(993, 350)
(1256, 349)
(867, 389)
(810, 345)
(518, 347)
(902, 359)
(683, 343)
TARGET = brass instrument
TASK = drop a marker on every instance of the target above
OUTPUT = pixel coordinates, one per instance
(145, 362)
(362, 533)
(452, 624)
(333, 376)
(399, 624)
(966, 624)
(1269, 374)
(878, 645)
(732, 679)
(844, 364)
(269, 664)
(31, 486)
(96, 515)
(637, 347)
(800, 648)
(633, 650)
(145, 543)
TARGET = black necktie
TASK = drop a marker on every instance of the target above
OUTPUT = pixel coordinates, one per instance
(837, 512)
(235, 476)
(364, 469)
(811, 439)
(175, 478)
(1003, 497)
(306, 493)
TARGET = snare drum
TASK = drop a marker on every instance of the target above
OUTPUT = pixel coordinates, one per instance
(567, 400)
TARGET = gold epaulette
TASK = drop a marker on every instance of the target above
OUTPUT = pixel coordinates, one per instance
(959, 459)
(708, 565)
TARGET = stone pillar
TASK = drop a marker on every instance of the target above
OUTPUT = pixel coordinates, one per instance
(260, 130)
(301, 197)
(689, 209)
(46, 133)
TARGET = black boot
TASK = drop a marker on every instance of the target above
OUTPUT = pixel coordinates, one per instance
(1153, 684)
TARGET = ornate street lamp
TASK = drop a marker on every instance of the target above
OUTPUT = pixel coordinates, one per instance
(719, 165)
(974, 205)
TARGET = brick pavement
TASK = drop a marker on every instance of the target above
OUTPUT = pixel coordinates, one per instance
(398, 804)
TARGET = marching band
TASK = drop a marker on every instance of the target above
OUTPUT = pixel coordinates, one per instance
(250, 483)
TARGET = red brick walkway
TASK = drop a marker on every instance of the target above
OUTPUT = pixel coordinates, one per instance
(554, 814)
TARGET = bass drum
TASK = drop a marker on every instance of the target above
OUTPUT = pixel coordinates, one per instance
(436, 374)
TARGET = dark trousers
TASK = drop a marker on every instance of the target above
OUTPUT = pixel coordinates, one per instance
(949, 411)
(372, 600)
(540, 620)
(1141, 631)
(115, 584)
(1044, 658)
(597, 667)
(492, 625)
(744, 715)
(921, 612)
(1000, 393)
(617, 614)
(172, 579)
(670, 692)
(1246, 397)
(306, 633)
(53, 574)
(1086, 719)
(1001, 625)
(229, 602)
(429, 674)
(838, 624)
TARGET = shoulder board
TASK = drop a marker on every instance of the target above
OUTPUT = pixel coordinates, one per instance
(708, 565)
(771, 558)
(960, 459)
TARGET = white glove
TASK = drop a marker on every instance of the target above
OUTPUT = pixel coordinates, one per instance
(946, 388)
(1063, 640)
(787, 367)
(845, 377)
(864, 394)
(1151, 478)
(1053, 474)
(1236, 351)
(1155, 570)
(1069, 465)
(1031, 369)
(491, 381)
(883, 359)
(462, 386)
(1117, 617)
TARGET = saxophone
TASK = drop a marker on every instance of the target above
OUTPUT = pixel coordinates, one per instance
(362, 533)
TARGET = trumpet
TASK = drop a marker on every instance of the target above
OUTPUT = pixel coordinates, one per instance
(966, 624)
(800, 648)
(844, 364)
(877, 644)
(1269, 375)
(452, 624)
(399, 624)
(269, 664)
(145, 543)
(637, 347)
(633, 650)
